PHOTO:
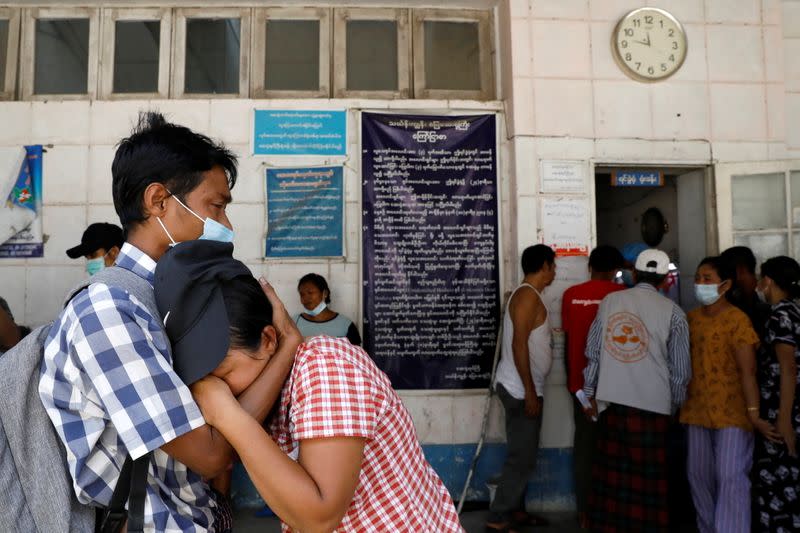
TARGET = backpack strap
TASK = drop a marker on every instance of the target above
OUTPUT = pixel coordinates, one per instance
(131, 488)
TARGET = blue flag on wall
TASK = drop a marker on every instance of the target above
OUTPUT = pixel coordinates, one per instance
(21, 214)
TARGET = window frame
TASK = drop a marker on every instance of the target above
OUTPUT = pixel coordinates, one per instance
(181, 15)
(109, 18)
(724, 179)
(486, 52)
(28, 55)
(339, 48)
(259, 52)
(8, 84)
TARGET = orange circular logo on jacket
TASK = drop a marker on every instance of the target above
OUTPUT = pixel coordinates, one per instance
(626, 337)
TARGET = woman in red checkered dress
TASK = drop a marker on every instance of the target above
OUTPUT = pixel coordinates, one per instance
(359, 464)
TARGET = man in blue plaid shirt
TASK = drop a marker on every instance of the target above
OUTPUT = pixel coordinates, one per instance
(107, 380)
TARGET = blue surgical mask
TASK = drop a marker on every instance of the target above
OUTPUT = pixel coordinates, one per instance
(212, 230)
(93, 266)
(318, 309)
(706, 294)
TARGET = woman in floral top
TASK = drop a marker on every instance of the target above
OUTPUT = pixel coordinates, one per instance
(776, 472)
(719, 426)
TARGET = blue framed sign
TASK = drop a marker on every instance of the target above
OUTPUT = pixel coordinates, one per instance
(305, 212)
(637, 178)
(293, 132)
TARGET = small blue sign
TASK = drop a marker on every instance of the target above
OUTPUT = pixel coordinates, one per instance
(637, 178)
(304, 212)
(291, 132)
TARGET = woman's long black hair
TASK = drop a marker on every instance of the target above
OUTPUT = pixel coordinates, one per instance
(249, 311)
(785, 272)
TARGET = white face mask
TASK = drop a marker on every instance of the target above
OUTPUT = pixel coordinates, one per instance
(706, 294)
(318, 309)
(761, 296)
(212, 230)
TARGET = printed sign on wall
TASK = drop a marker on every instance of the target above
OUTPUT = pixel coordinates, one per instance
(431, 278)
(292, 132)
(637, 178)
(305, 212)
(21, 215)
(566, 225)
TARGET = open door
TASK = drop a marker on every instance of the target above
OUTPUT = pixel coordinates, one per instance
(758, 205)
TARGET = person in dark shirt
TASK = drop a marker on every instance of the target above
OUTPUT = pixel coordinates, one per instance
(578, 311)
(743, 295)
(10, 332)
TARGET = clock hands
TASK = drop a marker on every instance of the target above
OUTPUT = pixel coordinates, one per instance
(647, 42)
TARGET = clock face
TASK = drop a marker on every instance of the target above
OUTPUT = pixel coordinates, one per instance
(649, 44)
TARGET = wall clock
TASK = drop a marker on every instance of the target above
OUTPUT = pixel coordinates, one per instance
(649, 44)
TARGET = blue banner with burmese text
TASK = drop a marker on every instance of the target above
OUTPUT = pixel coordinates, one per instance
(304, 212)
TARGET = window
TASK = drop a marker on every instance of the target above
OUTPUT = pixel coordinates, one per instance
(60, 53)
(371, 53)
(211, 53)
(291, 53)
(9, 45)
(764, 207)
(452, 54)
(135, 53)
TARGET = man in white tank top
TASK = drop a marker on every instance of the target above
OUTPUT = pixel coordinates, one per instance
(526, 357)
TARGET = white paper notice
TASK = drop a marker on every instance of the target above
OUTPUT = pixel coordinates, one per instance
(565, 223)
(563, 176)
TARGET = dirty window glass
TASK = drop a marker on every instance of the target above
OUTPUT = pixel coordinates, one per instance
(452, 56)
(61, 64)
(212, 56)
(292, 55)
(372, 55)
(3, 50)
(759, 201)
(136, 52)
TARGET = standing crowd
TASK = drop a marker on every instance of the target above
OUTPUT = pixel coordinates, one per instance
(724, 377)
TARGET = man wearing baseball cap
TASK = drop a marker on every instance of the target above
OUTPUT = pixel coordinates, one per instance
(100, 245)
(638, 366)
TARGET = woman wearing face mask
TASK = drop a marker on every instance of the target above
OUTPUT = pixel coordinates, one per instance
(721, 408)
(776, 472)
(318, 318)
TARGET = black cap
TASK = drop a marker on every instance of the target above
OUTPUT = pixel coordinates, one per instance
(99, 235)
(188, 287)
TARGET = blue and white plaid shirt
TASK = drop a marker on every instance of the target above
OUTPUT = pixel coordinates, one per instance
(108, 386)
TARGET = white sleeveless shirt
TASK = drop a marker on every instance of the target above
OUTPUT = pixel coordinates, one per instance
(540, 352)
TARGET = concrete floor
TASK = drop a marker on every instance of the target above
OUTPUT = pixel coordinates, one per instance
(473, 522)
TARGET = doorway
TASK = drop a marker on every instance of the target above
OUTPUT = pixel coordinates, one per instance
(660, 207)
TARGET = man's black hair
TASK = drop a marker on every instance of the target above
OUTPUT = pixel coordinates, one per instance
(650, 278)
(606, 258)
(319, 282)
(740, 256)
(161, 152)
(5, 307)
(535, 257)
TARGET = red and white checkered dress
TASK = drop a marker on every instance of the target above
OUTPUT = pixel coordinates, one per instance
(335, 390)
